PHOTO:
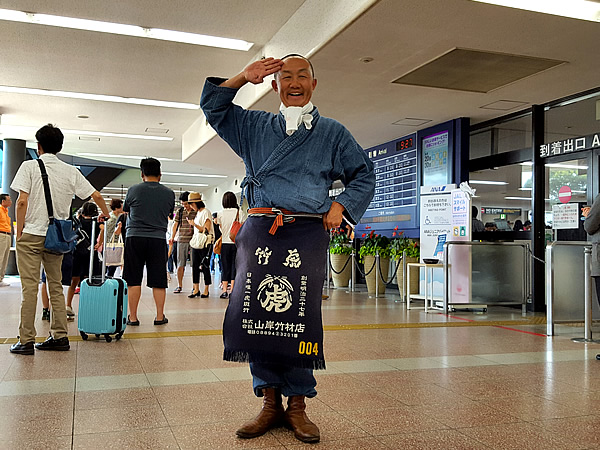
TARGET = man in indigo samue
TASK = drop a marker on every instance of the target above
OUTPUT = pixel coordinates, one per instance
(274, 319)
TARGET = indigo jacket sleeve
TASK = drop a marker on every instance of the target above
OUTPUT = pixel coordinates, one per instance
(226, 118)
(358, 177)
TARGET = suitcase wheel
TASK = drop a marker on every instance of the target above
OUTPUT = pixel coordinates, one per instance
(83, 335)
(107, 337)
(118, 336)
(98, 336)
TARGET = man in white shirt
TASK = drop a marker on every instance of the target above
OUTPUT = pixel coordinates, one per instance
(32, 224)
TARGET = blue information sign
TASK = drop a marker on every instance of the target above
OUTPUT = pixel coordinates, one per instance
(396, 187)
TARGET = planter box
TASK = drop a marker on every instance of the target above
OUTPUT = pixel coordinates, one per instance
(341, 280)
(384, 264)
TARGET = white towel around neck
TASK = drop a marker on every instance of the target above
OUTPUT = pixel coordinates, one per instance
(295, 115)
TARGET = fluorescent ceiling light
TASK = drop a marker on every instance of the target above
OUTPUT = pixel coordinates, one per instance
(527, 163)
(575, 9)
(185, 184)
(524, 189)
(181, 174)
(566, 166)
(496, 183)
(518, 198)
(124, 29)
(98, 97)
(20, 128)
(114, 188)
(108, 155)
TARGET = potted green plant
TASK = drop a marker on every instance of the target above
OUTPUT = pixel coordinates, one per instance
(340, 249)
(375, 244)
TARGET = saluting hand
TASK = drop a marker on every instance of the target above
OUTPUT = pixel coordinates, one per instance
(258, 70)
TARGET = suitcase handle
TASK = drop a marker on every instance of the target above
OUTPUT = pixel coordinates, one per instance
(94, 221)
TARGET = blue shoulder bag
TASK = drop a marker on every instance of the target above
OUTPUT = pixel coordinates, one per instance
(60, 237)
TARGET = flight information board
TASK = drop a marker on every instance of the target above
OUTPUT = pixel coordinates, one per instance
(396, 185)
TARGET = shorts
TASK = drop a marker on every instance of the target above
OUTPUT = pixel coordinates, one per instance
(149, 252)
(81, 265)
(183, 250)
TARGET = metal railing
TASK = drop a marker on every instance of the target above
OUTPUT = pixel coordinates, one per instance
(564, 286)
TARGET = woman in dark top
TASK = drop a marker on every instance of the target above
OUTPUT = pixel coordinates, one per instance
(81, 254)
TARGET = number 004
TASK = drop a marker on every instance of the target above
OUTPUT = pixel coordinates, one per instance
(308, 348)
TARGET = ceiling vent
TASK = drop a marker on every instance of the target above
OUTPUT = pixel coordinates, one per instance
(475, 70)
(411, 122)
(503, 105)
(157, 130)
(89, 138)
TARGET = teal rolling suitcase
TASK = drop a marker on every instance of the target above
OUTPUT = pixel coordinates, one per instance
(102, 304)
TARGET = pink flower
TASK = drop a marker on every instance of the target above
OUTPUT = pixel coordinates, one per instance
(396, 227)
(394, 233)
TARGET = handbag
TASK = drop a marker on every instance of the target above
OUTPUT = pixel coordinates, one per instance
(235, 227)
(217, 246)
(114, 253)
(199, 241)
(60, 237)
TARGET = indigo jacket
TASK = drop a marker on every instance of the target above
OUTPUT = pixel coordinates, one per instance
(291, 172)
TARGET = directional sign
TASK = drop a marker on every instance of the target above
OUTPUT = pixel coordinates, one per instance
(564, 194)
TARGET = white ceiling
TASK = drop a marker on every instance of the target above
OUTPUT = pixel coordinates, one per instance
(399, 35)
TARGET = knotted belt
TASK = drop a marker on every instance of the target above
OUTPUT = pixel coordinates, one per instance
(281, 216)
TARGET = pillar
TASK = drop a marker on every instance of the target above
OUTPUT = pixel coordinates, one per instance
(13, 154)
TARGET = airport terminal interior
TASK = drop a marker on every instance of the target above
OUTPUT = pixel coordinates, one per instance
(468, 109)
(395, 378)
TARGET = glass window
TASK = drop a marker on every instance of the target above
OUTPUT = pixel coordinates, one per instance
(503, 195)
(573, 119)
(514, 134)
(568, 174)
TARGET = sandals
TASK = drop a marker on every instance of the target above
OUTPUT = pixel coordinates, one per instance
(161, 322)
(224, 295)
(133, 323)
(177, 290)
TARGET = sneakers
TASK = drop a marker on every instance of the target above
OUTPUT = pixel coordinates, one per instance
(22, 349)
(4, 284)
(61, 344)
(70, 313)
(46, 314)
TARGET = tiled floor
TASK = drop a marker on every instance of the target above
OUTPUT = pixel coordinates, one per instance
(394, 379)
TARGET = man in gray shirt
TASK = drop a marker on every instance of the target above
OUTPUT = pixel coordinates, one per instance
(149, 205)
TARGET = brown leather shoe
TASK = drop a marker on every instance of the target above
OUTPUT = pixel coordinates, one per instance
(304, 429)
(270, 416)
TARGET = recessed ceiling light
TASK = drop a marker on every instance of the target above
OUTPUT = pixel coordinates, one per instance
(497, 183)
(21, 129)
(566, 166)
(575, 9)
(108, 155)
(185, 184)
(181, 174)
(124, 29)
(366, 59)
(98, 97)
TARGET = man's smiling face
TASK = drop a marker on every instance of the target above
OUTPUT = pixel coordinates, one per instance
(294, 82)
